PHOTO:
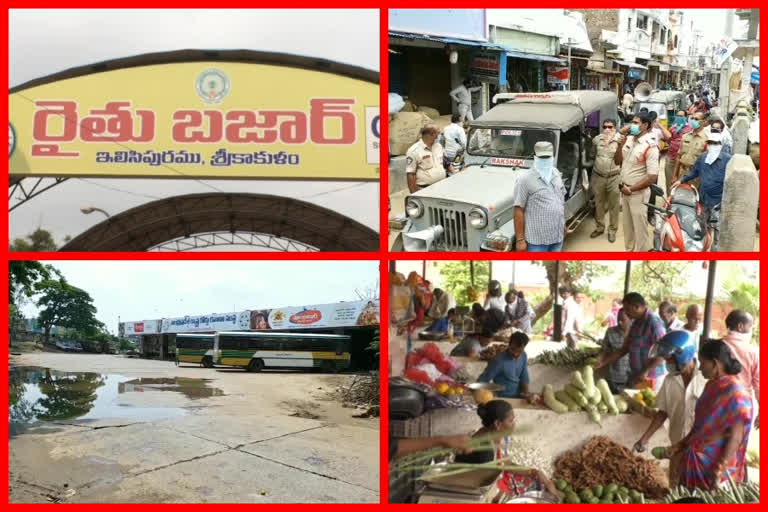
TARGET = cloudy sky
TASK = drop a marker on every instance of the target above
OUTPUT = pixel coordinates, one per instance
(145, 290)
(45, 41)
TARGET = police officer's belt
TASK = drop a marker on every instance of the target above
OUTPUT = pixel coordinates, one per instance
(610, 175)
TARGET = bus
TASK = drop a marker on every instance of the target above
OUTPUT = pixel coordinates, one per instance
(256, 351)
(195, 348)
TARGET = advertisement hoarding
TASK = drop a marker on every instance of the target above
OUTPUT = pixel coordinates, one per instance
(213, 322)
(470, 24)
(341, 314)
(338, 314)
(197, 119)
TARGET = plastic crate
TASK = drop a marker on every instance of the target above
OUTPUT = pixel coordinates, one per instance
(416, 427)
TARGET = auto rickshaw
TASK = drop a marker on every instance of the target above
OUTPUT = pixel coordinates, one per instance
(664, 103)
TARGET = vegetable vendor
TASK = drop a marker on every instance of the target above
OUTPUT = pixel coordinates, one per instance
(510, 369)
(498, 416)
(677, 398)
(716, 446)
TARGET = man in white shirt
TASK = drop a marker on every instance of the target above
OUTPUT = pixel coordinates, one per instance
(694, 316)
(455, 140)
(462, 95)
(424, 160)
(571, 316)
(668, 314)
(677, 397)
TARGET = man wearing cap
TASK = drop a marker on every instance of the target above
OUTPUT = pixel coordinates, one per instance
(540, 204)
(605, 181)
(424, 160)
(638, 156)
(710, 169)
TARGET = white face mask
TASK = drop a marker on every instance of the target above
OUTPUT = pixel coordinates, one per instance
(713, 151)
(544, 167)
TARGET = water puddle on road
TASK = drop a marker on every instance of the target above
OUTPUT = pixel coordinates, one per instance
(43, 395)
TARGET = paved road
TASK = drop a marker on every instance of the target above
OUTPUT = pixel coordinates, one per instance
(270, 437)
(576, 241)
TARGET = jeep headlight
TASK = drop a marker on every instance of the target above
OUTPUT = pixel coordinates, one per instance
(478, 219)
(414, 208)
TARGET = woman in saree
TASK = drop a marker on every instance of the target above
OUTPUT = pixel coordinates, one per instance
(497, 416)
(716, 446)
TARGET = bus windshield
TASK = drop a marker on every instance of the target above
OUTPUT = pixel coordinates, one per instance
(507, 142)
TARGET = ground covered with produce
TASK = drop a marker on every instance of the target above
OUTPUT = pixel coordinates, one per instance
(580, 435)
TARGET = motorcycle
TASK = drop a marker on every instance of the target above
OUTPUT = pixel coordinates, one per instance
(678, 226)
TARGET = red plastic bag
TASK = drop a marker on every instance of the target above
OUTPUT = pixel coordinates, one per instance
(432, 352)
(413, 359)
(418, 376)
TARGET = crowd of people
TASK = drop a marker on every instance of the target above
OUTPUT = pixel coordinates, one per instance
(625, 163)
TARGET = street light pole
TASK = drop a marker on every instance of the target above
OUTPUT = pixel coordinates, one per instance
(569, 64)
(87, 210)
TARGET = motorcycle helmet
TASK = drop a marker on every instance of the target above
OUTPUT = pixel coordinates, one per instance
(677, 345)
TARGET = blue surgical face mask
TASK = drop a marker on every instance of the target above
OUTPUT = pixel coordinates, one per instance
(634, 130)
(695, 124)
(544, 167)
(680, 121)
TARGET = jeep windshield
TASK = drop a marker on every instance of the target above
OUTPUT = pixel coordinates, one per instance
(507, 142)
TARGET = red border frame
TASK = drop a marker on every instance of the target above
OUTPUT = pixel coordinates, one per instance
(382, 255)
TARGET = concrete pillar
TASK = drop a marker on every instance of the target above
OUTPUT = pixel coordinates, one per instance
(740, 129)
(739, 207)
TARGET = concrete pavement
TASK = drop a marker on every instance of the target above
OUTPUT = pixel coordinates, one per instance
(248, 445)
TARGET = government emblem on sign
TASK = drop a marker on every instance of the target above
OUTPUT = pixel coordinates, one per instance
(212, 86)
(11, 140)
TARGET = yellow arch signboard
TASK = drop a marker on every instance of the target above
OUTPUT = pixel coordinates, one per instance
(177, 115)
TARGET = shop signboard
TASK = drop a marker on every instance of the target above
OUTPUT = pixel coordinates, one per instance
(487, 66)
(212, 322)
(636, 73)
(341, 314)
(216, 119)
(470, 24)
(557, 75)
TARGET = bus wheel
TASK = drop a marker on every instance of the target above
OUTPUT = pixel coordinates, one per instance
(256, 365)
(208, 362)
(329, 367)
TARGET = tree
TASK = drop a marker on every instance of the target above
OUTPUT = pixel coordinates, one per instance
(658, 280)
(23, 275)
(39, 240)
(66, 306)
(457, 281)
(575, 274)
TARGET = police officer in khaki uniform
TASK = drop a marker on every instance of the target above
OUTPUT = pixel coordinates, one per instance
(605, 180)
(424, 160)
(638, 156)
(692, 145)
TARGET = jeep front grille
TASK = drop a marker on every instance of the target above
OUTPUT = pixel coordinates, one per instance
(455, 226)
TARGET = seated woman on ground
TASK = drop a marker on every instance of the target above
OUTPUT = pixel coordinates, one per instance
(498, 416)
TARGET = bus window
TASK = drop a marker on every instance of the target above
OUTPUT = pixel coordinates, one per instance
(243, 345)
(339, 348)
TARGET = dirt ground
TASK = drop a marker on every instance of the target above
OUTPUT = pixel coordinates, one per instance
(267, 437)
(555, 433)
(576, 241)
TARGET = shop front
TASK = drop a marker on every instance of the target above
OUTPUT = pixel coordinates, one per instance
(431, 52)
